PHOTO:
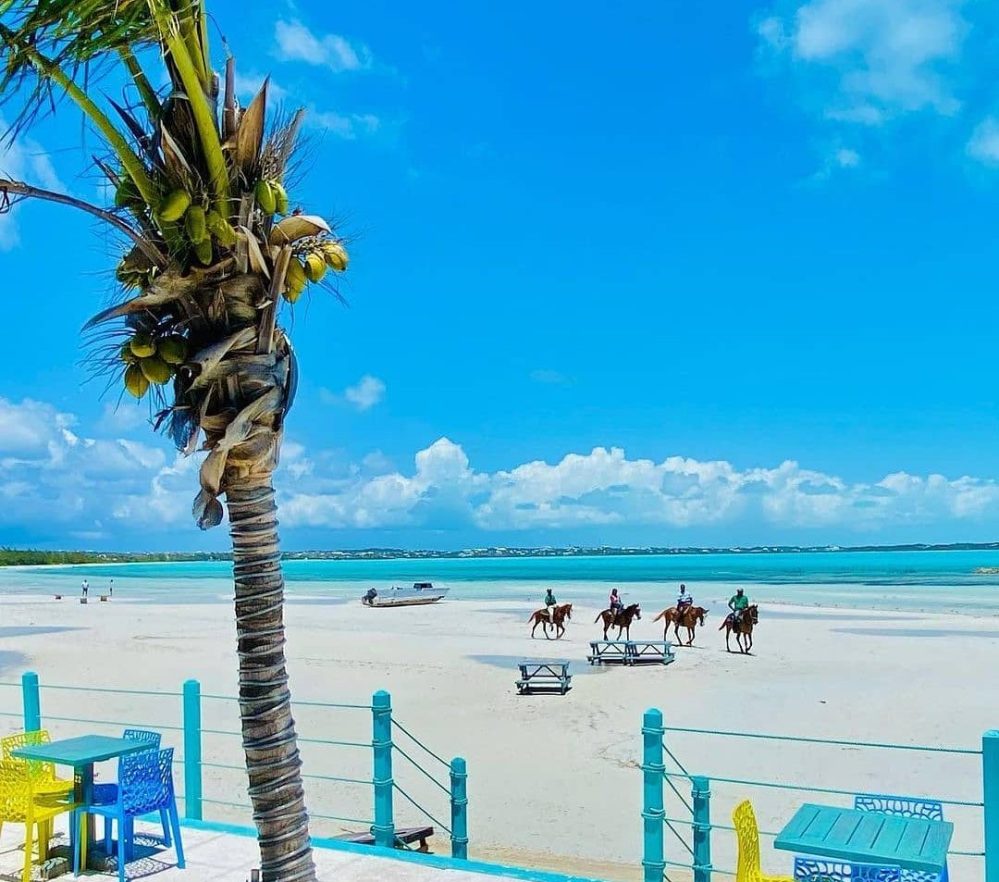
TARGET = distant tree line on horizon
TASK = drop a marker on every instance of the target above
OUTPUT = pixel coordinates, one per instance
(32, 557)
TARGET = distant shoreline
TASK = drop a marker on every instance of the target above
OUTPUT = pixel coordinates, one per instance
(10, 557)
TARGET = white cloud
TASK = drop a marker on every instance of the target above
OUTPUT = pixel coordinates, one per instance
(23, 160)
(604, 487)
(984, 143)
(366, 393)
(867, 61)
(846, 158)
(550, 377)
(56, 481)
(347, 126)
(295, 42)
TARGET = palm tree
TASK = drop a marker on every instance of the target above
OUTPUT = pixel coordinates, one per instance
(206, 270)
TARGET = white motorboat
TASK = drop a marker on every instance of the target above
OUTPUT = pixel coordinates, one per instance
(421, 593)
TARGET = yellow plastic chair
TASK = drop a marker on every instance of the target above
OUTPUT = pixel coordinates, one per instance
(20, 804)
(44, 780)
(748, 835)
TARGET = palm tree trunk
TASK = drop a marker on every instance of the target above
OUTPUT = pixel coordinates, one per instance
(269, 741)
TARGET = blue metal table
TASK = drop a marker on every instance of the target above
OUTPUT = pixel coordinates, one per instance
(846, 834)
(81, 754)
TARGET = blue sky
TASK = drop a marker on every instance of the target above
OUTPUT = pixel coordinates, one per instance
(673, 274)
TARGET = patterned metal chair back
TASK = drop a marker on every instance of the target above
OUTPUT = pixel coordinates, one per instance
(15, 791)
(151, 738)
(40, 772)
(747, 833)
(812, 870)
(145, 781)
(906, 806)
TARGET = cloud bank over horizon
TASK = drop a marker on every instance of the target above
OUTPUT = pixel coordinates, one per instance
(90, 487)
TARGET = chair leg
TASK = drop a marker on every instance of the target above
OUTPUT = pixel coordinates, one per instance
(121, 849)
(44, 837)
(178, 845)
(107, 835)
(165, 821)
(29, 844)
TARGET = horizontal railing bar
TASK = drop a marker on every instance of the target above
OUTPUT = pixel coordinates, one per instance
(337, 818)
(365, 744)
(221, 732)
(882, 745)
(772, 785)
(680, 866)
(368, 783)
(419, 743)
(107, 691)
(296, 703)
(240, 805)
(130, 723)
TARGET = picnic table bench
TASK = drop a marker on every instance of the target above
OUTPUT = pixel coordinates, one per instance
(631, 652)
(544, 675)
(403, 837)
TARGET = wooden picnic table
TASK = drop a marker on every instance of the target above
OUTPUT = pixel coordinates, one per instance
(544, 675)
(849, 835)
(631, 652)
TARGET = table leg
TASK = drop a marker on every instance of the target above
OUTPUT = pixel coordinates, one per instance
(84, 792)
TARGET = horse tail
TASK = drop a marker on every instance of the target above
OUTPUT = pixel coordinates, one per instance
(723, 624)
(658, 617)
(531, 619)
(598, 618)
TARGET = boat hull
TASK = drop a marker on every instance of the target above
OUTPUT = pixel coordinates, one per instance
(406, 597)
(402, 601)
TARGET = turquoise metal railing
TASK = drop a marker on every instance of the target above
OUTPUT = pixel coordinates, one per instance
(191, 726)
(691, 825)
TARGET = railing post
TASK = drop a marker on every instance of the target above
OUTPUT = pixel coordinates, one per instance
(32, 705)
(653, 812)
(990, 788)
(701, 802)
(381, 743)
(459, 809)
(192, 750)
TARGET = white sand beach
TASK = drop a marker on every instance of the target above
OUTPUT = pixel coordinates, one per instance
(553, 781)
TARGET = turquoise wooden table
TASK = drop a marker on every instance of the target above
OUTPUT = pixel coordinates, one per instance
(81, 754)
(867, 837)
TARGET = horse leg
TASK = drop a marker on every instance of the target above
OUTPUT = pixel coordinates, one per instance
(728, 632)
(535, 628)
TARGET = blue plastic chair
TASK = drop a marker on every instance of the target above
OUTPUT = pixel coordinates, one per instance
(812, 870)
(145, 785)
(907, 807)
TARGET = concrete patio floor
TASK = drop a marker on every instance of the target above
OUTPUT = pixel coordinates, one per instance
(214, 856)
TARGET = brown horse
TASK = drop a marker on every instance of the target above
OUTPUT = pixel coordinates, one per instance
(556, 619)
(742, 623)
(689, 618)
(622, 621)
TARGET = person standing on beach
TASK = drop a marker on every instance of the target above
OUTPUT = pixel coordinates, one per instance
(85, 587)
(111, 588)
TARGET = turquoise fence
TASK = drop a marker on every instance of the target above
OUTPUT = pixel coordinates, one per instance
(374, 753)
(681, 811)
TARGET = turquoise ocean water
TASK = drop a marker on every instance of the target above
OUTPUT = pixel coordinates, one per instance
(874, 579)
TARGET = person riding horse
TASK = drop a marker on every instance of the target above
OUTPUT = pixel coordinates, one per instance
(738, 603)
(550, 603)
(683, 602)
(614, 603)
